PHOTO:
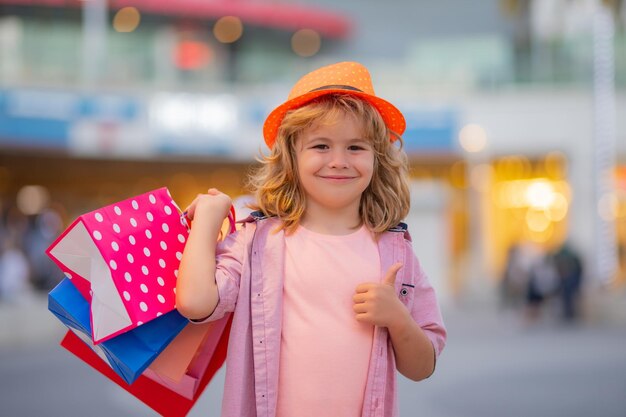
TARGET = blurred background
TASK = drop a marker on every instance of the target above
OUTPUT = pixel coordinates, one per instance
(516, 134)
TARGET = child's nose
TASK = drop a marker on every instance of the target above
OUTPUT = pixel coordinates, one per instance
(339, 160)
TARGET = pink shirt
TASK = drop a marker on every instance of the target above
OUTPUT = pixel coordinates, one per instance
(322, 345)
(250, 276)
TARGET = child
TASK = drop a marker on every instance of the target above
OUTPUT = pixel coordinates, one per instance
(328, 297)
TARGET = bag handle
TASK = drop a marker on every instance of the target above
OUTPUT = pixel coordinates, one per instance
(232, 219)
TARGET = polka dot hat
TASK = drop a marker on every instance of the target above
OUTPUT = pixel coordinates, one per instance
(344, 77)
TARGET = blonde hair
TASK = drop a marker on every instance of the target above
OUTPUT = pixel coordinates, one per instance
(277, 188)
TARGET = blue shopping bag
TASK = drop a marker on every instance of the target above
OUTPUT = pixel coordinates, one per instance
(129, 353)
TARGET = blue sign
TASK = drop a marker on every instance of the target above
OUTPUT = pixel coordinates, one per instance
(44, 118)
(430, 130)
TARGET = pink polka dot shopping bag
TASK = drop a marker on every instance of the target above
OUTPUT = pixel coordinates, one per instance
(124, 258)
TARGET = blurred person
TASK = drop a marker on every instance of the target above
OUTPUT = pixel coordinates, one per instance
(326, 300)
(15, 224)
(621, 264)
(44, 228)
(14, 272)
(4, 230)
(515, 277)
(569, 269)
(543, 283)
(521, 258)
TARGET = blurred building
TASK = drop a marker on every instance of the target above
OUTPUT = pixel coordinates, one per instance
(102, 100)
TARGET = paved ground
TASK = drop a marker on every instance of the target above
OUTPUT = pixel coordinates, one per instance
(493, 366)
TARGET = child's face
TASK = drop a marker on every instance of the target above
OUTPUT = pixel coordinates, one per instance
(335, 163)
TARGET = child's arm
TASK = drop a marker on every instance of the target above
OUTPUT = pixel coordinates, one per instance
(196, 290)
(379, 305)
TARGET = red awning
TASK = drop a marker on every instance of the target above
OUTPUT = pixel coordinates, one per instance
(271, 14)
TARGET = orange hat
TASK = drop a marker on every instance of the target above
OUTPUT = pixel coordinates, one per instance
(344, 77)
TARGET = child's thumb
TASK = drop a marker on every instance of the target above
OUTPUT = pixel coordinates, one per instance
(390, 276)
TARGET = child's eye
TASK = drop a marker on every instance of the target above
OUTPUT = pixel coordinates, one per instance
(356, 148)
(320, 146)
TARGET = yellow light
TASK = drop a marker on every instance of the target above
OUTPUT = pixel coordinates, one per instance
(558, 209)
(536, 220)
(473, 138)
(457, 175)
(564, 188)
(510, 194)
(126, 19)
(228, 29)
(621, 204)
(540, 194)
(542, 236)
(306, 42)
(554, 164)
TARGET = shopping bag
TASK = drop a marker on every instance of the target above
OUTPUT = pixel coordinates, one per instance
(188, 383)
(174, 361)
(129, 353)
(157, 396)
(124, 259)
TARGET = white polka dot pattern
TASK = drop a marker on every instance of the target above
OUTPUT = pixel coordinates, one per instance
(128, 234)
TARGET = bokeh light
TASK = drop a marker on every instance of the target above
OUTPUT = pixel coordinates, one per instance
(228, 29)
(608, 206)
(306, 42)
(554, 164)
(32, 199)
(540, 194)
(473, 138)
(542, 236)
(126, 19)
(192, 55)
(458, 175)
(558, 209)
(537, 220)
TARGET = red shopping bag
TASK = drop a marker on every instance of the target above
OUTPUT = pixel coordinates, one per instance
(159, 397)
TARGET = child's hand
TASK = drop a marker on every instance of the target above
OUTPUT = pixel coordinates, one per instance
(214, 203)
(378, 304)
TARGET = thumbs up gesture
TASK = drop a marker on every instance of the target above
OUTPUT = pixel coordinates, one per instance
(377, 303)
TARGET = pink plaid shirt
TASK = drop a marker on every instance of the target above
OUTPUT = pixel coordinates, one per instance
(250, 267)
